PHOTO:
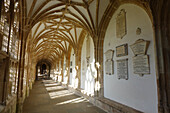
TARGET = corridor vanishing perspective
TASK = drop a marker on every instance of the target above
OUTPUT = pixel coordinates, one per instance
(84, 56)
(48, 96)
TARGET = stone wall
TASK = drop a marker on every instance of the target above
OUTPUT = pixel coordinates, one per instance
(10, 106)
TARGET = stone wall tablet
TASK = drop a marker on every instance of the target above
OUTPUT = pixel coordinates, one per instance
(109, 67)
(109, 54)
(141, 65)
(140, 47)
(141, 59)
(122, 69)
(121, 24)
(122, 50)
(109, 62)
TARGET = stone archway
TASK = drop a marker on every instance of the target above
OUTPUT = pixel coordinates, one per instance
(43, 69)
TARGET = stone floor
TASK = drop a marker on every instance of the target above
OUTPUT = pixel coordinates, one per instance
(48, 96)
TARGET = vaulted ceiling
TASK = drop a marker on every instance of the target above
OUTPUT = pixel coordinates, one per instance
(56, 25)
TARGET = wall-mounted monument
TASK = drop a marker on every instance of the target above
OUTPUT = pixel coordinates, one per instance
(141, 59)
(122, 50)
(122, 69)
(109, 63)
(121, 24)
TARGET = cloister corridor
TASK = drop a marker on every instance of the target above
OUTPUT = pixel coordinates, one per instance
(48, 96)
(84, 56)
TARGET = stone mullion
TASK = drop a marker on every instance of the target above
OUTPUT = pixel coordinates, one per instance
(6, 80)
(2, 61)
(11, 9)
(2, 14)
(2, 70)
(16, 69)
(11, 20)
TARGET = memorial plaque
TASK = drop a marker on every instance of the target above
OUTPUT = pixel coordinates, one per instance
(122, 69)
(140, 47)
(109, 67)
(122, 50)
(141, 65)
(121, 24)
(109, 54)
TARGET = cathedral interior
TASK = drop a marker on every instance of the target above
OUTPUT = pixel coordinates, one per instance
(84, 56)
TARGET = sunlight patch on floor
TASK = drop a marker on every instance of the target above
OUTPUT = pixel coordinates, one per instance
(73, 101)
(58, 94)
(54, 88)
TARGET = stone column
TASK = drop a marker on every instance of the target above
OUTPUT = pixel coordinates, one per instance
(162, 60)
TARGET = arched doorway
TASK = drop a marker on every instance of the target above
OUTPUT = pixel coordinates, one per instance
(88, 71)
(43, 69)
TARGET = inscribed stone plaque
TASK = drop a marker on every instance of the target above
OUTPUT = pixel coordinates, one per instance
(141, 64)
(121, 24)
(122, 50)
(122, 69)
(140, 47)
(109, 67)
(109, 54)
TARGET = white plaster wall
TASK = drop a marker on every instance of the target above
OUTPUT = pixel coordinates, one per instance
(83, 64)
(137, 92)
(59, 76)
(87, 72)
(73, 74)
(65, 77)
